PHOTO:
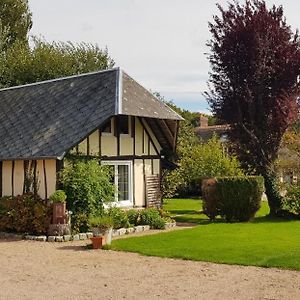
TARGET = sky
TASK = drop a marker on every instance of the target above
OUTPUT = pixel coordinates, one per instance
(160, 43)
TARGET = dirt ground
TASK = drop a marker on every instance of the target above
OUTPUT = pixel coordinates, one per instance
(37, 270)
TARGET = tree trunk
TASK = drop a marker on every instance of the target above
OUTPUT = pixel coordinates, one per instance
(272, 192)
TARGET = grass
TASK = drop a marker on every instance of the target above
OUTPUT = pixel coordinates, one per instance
(262, 242)
(190, 210)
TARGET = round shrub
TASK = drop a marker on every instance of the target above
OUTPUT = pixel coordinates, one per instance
(239, 197)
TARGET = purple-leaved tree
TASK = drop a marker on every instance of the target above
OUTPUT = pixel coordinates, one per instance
(254, 83)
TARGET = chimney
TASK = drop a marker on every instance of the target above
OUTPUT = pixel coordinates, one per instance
(203, 121)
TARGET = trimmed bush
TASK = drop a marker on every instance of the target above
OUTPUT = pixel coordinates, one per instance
(210, 198)
(26, 213)
(239, 197)
(233, 198)
(119, 217)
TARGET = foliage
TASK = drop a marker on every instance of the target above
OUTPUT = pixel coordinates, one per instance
(15, 22)
(240, 197)
(234, 198)
(119, 217)
(255, 60)
(87, 186)
(211, 199)
(43, 61)
(103, 223)
(199, 161)
(25, 213)
(155, 218)
(58, 196)
(151, 217)
(289, 152)
(292, 199)
(80, 222)
(133, 216)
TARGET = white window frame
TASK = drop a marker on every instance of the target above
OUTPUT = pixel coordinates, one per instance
(128, 163)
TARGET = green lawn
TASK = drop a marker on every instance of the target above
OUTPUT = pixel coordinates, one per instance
(262, 242)
(190, 210)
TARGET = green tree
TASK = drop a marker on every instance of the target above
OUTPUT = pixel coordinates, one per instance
(15, 22)
(22, 64)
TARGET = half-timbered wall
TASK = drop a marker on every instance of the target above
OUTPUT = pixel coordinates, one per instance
(139, 146)
(13, 173)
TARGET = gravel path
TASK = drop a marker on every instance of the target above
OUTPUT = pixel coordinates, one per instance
(37, 270)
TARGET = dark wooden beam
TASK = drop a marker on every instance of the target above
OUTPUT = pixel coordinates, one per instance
(12, 178)
(1, 170)
(45, 179)
(144, 127)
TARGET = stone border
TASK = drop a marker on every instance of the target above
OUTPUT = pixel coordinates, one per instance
(79, 236)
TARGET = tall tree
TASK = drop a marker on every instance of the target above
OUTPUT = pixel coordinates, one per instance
(254, 83)
(15, 22)
(22, 64)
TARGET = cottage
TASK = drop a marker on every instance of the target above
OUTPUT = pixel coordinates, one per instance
(104, 115)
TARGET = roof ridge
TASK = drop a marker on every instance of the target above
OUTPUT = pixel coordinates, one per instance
(59, 79)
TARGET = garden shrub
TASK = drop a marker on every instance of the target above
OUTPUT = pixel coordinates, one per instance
(240, 197)
(87, 186)
(210, 198)
(26, 213)
(58, 196)
(292, 199)
(80, 222)
(119, 217)
(151, 216)
(103, 223)
(133, 216)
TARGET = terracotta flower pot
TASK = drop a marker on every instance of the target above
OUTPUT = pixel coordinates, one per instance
(98, 242)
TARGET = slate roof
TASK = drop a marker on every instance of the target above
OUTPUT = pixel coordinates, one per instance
(46, 119)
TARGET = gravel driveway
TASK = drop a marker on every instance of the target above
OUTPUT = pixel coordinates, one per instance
(37, 270)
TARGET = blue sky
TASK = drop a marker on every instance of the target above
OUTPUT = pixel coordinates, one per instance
(160, 43)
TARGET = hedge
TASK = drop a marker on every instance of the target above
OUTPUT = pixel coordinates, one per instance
(234, 198)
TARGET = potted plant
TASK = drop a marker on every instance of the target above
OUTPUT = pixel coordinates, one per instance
(102, 227)
(58, 198)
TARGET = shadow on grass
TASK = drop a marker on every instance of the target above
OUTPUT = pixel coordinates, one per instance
(269, 219)
(184, 212)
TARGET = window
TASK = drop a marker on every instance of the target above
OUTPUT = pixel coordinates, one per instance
(122, 178)
(107, 127)
(123, 122)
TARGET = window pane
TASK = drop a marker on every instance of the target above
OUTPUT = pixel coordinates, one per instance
(123, 125)
(123, 182)
(107, 127)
